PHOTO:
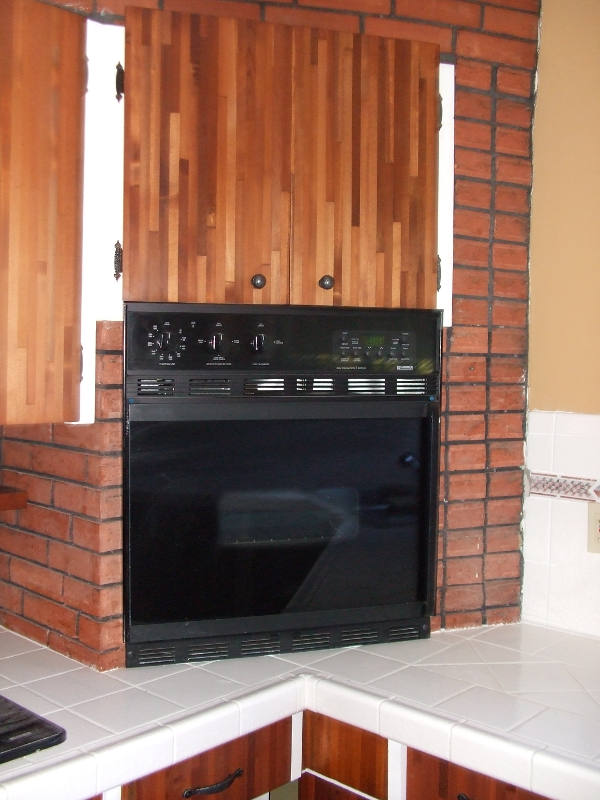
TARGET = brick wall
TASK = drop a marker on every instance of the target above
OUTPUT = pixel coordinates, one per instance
(60, 558)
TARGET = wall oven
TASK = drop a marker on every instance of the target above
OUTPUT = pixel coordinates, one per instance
(280, 475)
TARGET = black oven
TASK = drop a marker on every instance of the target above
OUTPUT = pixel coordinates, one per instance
(281, 470)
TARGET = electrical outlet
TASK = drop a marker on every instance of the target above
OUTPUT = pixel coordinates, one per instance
(593, 528)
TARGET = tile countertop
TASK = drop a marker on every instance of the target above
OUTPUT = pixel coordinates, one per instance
(518, 702)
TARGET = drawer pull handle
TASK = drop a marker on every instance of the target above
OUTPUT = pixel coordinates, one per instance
(214, 788)
(462, 796)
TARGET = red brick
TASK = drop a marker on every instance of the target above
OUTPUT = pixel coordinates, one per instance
(513, 112)
(473, 164)
(463, 427)
(511, 284)
(286, 15)
(366, 6)
(109, 369)
(472, 282)
(473, 74)
(460, 571)
(100, 537)
(105, 470)
(103, 437)
(473, 105)
(505, 425)
(466, 457)
(12, 598)
(466, 369)
(109, 404)
(515, 143)
(213, 7)
(510, 256)
(39, 490)
(55, 615)
(467, 486)
(469, 339)
(37, 633)
(512, 341)
(109, 335)
(409, 30)
(104, 602)
(507, 370)
(507, 398)
(514, 23)
(472, 193)
(471, 223)
(503, 592)
(503, 616)
(100, 570)
(511, 169)
(509, 313)
(496, 49)
(17, 455)
(503, 538)
(506, 483)
(471, 619)
(466, 311)
(37, 578)
(512, 198)
(514, 81)
(96, 503)
(104, 635)
(458, 598)
(505, 454)
(466, 398)
(470, 253)
(47, 521)
(505, 511)
(464, 543)
(29, 433)
(452, 12)
(477, 135)
(59, 462)
(85, 655)
(523, 5)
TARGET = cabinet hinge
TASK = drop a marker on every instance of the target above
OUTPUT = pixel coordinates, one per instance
(120, 81)
(118, 260)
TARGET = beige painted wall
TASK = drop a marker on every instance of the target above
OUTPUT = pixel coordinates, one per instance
(564, 356)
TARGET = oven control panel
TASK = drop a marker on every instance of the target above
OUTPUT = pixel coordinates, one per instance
(295, 338)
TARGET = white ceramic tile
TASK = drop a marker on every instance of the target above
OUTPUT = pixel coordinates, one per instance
(420, 686)
(572, 424)
(474, 674)
(541, 422)
(296, 756)
(308, 657)
(568, 530)
(493, 755)
(563, 730)
(75, 686)
(70, 780)
(536, 528)
(577, 456)
(534, 677)
(347, 704)
(416, 728)
(576, 650)
(11, 644)
(198, 732)
(124, 710)
(396, 771)
(250, 671)
(30, 700)
(535, 593)
(587, 673)
(123, 761)
(80, 732)
(357, 665)
(413, 650)
(35, 665)
(539, 452)
(494, 710)
(193, 687)
(138, 676)
(576, 702)
(523, 638)
(268, 705)
(556, 777)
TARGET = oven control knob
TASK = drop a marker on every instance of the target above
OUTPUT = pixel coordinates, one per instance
(215, 342)
(257, 343)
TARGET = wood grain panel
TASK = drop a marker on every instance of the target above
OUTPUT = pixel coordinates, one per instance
(310, 787)
(207, 178)
(345, 753)
(364, 170)
(435, 779)
(264, 756)
(41, 154)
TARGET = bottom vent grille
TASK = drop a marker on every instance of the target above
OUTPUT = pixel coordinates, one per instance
(360, 636)
(317, 640)
(403, 634)
(156, 654)
(207, 651)
(261, 646)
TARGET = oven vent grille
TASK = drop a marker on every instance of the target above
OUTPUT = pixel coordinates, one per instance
(402, 633)
(207, 651)
(366, 386)
(262, 386)
(156, 654)
(359, 636)
(411, 386)
(260, 645)
(199, 387)
(314, 385)
(311, 640)
(155, 386)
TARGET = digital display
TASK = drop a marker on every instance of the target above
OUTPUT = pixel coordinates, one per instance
(374, 340)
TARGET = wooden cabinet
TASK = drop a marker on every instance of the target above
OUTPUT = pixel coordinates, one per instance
(292, 153)
(251, 765)
(42, 63)
(435, 779)
(348, 755)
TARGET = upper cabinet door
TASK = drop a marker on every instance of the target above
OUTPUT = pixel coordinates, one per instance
(207, 174)
(364, 170)
(42, 63)
(307, 157)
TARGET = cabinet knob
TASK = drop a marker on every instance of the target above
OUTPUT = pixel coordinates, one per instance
(327, 282)
(258, 280)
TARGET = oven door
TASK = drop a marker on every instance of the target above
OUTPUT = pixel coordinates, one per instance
(253, 515)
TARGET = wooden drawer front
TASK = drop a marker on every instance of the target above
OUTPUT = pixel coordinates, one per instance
(435, 779)
(347, 754)
(312, 788)
(264, 756)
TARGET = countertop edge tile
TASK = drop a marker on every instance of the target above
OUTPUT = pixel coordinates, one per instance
(416, 728)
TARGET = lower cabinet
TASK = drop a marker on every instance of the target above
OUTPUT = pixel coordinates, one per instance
(435, 779)
(238, 770)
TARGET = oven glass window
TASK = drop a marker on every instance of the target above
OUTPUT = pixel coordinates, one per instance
(248, 518)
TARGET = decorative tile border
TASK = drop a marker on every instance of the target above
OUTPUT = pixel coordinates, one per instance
(564, 486)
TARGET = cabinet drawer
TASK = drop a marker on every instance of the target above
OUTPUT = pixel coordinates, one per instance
(263, 757)
(354, 757)
(436, 779)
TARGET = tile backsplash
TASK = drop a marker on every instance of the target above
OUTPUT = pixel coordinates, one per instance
(561, 582)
